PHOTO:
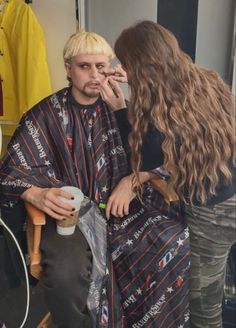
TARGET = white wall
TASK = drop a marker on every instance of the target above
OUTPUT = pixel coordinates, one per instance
(110, 17)
(214, 34)
(106, 17)
(57, 18)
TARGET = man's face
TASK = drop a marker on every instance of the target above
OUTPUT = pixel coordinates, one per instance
(86, 76)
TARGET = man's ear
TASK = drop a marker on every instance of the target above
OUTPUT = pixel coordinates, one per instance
(68, 68)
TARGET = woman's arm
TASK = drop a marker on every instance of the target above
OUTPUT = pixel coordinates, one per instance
(119, 200)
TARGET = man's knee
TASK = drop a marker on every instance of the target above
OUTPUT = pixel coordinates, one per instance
(67, 262)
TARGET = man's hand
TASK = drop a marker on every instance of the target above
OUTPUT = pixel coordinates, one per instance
(48, 200)
(118, 202)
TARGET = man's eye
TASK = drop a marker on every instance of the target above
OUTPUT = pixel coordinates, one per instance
(83, 66)
(100, 67)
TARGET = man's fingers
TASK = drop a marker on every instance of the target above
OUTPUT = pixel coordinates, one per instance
(56, 198)
(54, 215)
(55, 192)
(65, 194)
(64, 212)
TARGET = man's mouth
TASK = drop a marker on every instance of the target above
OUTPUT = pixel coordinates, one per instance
(93, 85)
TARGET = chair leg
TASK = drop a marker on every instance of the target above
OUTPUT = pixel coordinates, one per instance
(47, 320)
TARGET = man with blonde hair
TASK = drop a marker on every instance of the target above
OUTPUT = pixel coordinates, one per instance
(68, 138)
(74, 138)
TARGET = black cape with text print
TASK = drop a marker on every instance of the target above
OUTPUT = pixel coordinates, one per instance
(60, 142)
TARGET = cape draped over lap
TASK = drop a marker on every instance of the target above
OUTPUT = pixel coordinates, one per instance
(60, 142)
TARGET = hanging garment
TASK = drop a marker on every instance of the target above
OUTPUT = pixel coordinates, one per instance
(24, 72)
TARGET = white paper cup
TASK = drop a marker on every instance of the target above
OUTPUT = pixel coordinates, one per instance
(67, 226)
(66, 231)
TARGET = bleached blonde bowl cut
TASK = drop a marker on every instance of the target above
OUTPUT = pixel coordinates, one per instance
(87, 43)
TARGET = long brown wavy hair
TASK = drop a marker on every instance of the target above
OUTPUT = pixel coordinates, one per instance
(191, 105)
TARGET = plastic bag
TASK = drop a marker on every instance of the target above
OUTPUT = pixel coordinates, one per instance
(94, 227)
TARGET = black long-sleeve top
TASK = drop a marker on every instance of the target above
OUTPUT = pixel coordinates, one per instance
(152, 154)
(153, 157)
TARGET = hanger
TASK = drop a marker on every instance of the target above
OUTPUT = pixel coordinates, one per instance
(3, 4)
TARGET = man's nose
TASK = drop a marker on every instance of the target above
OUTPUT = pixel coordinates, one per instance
(94, 72)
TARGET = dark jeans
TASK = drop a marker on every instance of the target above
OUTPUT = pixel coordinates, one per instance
(67, 266)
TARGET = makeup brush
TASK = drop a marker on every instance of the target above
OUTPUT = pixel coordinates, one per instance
(110, 85)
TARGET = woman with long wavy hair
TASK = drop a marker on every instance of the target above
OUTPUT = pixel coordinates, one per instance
(182, 116)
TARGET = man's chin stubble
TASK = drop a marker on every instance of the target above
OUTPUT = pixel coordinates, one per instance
(91, 94)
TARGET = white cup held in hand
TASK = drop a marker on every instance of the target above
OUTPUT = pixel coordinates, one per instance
(67, 226)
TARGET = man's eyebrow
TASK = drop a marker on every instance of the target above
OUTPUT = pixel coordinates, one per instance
(88, 63)
(83, 62)
(100, 63)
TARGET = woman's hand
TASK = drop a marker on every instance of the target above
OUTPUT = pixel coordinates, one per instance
(119, 200)
(118, 74)
(48, 200)
(112, 94)
(121, 196)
